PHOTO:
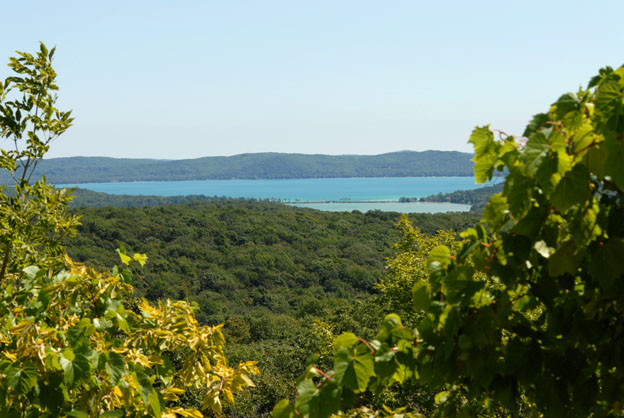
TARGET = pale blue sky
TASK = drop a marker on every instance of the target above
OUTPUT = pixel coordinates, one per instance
(185, 79)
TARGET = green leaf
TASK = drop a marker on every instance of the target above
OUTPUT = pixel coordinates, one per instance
(44, 298)
(283, 409)
(441, 256)
(518, 189)
(79, 333)
(603, 73)
(82, 367)
(390, 322)
(550, 171)
(596, 160)
(535, 151)
(347, 340)
(115, 366)
(354, 370)
(21, 377)
(615, 156)
(609, 103)
(102, 324)
(482, 139)
(68, 368)
(563, 260)
(76, 413)
(126, 275)
(52, 360)
(484, 167)
(538, 121)
(306, 390)
(605, 263)
(485, 153)
(154, 403)
(420, 295)
(459, 284)
(75, 366)
(122, 322)
(496, 210)
(584, 136)
(567, 103)
(532, 223)
(572, 189)
(328, 401)
(364, 366)
(144, 383)
(141, 258)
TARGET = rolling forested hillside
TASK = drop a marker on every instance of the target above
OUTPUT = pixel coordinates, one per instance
(228, 247)
(255, 166)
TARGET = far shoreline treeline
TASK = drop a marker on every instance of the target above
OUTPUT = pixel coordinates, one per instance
(89, 198)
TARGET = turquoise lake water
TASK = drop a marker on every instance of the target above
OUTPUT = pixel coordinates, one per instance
(307, 190)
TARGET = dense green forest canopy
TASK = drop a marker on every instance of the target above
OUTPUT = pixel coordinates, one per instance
(266, 270)
(255, 166)
(221, 252)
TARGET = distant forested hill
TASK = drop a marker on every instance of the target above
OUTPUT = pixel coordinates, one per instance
(477, 198)
(256, 166)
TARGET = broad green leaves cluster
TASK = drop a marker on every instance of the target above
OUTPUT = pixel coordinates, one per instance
(71, 344)
(359, 366)
(73, 341)
(523, 319)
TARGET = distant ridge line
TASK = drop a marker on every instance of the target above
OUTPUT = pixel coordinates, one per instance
(269, 165)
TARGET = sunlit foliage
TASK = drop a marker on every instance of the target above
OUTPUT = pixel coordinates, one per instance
(73, 341)
(523, 320)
